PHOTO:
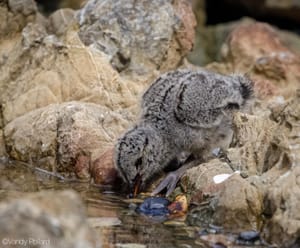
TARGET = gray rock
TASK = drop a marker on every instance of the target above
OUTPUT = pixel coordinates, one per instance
(26, 7)
(138, 36)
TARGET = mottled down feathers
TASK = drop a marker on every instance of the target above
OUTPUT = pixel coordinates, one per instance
(183, 111)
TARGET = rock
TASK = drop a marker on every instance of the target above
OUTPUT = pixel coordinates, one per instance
(2, 145)
(74, 4)
(270, 63)
(55, 71)
(103, 169)
(46, 218)
(57, 136)
(15, 14)
(209, 42)
(200, 178)
(238, 206)
(249, 236)
(282, 210)
(286, 114)
(61, 20)
(139, 36)
(260, 144)
(154, 206)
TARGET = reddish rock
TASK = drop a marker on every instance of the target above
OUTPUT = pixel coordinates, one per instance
(257, 49)
(82, 166)
(103, 170)
(186, 34)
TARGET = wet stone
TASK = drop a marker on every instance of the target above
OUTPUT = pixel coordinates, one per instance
(154, 206)
(248, 238)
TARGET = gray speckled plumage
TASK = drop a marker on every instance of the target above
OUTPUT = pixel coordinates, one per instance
(186, 113)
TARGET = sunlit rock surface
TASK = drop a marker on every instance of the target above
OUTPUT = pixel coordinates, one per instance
(71, 83)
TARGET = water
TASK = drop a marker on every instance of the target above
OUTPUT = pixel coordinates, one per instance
(112, 215)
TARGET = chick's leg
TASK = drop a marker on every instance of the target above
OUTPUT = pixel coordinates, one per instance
(170, 181)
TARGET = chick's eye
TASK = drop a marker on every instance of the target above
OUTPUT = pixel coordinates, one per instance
(232, 105)
(138, 162)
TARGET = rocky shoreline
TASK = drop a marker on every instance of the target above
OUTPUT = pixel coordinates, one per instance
(71, 83)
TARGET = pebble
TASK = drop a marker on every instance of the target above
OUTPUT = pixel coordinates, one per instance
(251, 236)
(154, 206)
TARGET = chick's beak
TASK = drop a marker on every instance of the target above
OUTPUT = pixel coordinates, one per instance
(137, 185)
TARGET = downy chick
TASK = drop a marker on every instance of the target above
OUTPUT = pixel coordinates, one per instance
(185, 114)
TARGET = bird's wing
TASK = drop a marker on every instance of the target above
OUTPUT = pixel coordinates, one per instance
(200, 101)
(159, 89)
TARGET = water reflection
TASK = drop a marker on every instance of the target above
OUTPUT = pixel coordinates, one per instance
(112, 216)
(109, 213)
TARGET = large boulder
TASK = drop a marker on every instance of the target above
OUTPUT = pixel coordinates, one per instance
(57, 136)
(258, 50)
(52, 71)
(139, 36)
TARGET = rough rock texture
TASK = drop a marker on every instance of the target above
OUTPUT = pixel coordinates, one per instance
(210, 39)
(2, 145)
(42, 70)
(282, 203)
(257, 49)
(61, 20)
(259, 145)
(15, 14)
(139, 36)
(38, 69)
(46, 219)
(238, 206)
(56, 136)
(287, 115)
(45, 63)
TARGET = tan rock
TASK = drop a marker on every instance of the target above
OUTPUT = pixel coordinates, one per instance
(55, 136)
(15, 14)
(60, 72)
(282, 210)
(200, 177)
(61, 20)
(239, 205)
(2, 145)
(260, 144)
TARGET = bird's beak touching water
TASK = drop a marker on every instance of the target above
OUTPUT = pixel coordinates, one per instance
(136, 185)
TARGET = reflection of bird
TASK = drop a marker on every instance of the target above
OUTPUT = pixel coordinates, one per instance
(185, 115)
